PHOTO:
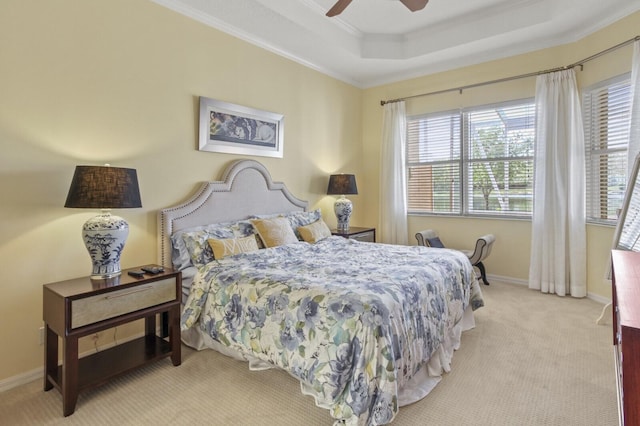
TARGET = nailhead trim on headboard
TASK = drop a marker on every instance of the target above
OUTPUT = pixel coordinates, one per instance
(246, 189)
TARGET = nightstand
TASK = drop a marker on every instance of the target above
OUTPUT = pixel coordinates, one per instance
(356, 233)
(82, 306)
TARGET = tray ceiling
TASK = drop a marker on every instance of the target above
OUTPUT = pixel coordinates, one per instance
(375, 42)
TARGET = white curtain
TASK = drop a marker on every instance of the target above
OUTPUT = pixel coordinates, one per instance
(634, 130)
(393, 181)
(558, 242)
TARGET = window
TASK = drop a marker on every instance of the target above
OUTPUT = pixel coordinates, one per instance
(477, 161)
(607, 114)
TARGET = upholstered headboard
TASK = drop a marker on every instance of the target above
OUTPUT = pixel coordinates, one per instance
(246, 189)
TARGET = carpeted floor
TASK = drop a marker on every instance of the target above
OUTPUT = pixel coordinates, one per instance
(532, 359)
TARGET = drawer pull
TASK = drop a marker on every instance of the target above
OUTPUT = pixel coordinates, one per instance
(136, 290)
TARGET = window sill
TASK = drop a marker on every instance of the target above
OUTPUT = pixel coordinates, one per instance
(472, 216)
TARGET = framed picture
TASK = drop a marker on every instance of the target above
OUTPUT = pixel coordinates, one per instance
(235, 129)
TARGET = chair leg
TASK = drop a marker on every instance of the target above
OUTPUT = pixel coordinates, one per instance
(483, 273)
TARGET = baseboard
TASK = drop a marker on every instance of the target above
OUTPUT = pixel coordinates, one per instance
(21, 379)
(595, 297)
(503, 279)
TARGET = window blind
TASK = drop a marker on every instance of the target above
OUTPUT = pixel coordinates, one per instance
(606, 109)
(500, 145)
(434, 164)
(477, 161)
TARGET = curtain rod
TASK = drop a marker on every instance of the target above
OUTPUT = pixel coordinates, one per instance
(517, 77)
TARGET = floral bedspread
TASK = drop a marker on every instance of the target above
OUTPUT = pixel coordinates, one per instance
(351, 320)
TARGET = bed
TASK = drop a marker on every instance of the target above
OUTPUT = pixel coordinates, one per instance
(364, 327)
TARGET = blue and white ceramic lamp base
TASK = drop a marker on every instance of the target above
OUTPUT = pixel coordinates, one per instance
(343, 209)
(104, 236)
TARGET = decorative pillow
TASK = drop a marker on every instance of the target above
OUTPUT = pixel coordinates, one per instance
(275, 231)
(298, 219)
(231, 246)
(194, 240)
(315, 232)
(435, 242)
(243, 228)
(180, 255)
(197, 244)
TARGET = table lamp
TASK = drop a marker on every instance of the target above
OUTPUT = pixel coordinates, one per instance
(105, 188)
(342, 185)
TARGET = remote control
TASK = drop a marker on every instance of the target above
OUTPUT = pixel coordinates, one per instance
(153, 270)
(136, 273)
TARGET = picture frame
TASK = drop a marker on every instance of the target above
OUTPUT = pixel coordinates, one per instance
(236, 129)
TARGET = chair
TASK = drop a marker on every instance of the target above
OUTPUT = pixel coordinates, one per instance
(430, 238)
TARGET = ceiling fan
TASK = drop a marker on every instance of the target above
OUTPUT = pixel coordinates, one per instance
(341, 5)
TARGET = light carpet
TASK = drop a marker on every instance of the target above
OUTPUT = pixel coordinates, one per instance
(533, 359)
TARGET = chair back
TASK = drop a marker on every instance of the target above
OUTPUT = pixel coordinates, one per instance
(423, 237)
(482, 249)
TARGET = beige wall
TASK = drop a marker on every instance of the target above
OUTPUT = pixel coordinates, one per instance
(90, 81)
(510, 256)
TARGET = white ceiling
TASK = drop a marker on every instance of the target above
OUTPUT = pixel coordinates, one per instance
(375, 42)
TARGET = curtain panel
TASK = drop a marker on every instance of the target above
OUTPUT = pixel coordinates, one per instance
(393, 180)
(558, 243)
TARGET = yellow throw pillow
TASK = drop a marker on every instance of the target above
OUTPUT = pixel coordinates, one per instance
(231, 246)
(315, 232)
(274, 231)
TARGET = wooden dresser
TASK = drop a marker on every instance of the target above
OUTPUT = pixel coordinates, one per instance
(626, 333)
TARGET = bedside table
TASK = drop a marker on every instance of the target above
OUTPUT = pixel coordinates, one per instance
(356, 233)
(82, 306)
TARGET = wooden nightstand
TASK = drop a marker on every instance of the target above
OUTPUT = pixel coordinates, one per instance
(355, 233)
(80, 307)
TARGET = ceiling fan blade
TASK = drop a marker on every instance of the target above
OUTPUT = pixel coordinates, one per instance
(414, 5)
(338, 7)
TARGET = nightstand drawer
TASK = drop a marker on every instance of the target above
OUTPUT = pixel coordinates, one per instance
(367, 237)
(97, 308)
